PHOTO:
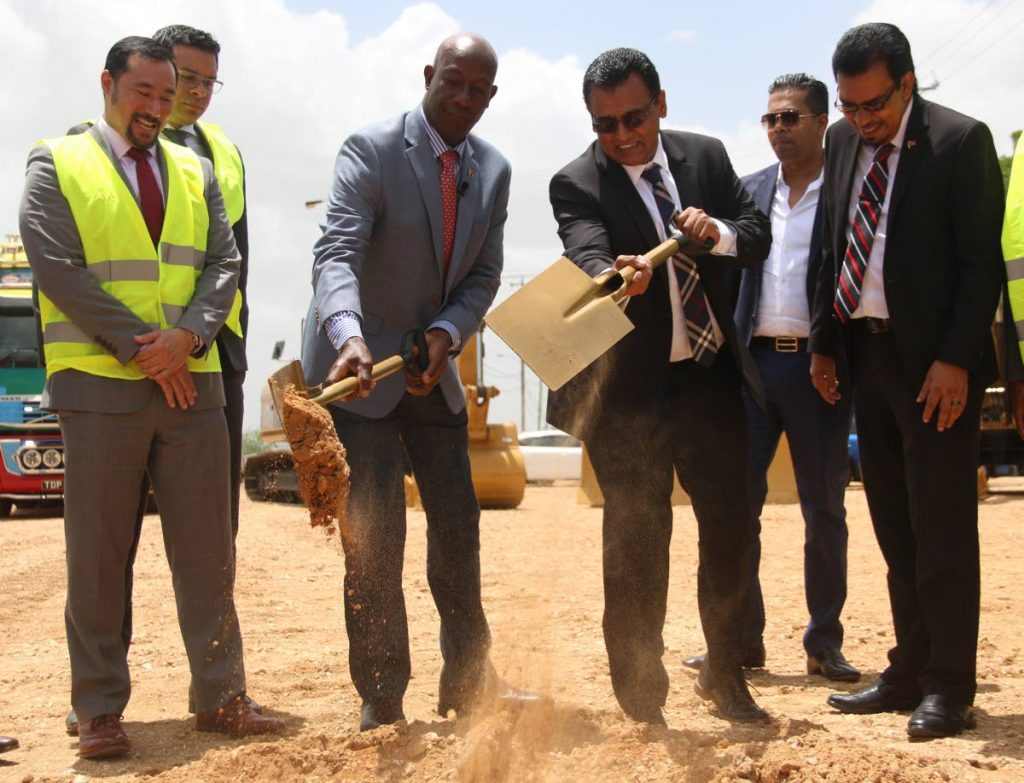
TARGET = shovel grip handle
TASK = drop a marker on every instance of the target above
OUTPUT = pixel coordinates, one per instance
(657, 257)
(346, 386)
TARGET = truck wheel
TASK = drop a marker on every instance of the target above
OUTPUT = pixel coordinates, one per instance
(5, 508)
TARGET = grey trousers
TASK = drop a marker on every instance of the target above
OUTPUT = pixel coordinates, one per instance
(186, 455)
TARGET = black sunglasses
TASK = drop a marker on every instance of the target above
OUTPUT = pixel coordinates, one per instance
(631, 120)
(789, 118)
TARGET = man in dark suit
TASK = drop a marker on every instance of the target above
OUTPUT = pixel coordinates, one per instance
(666, 398)
(412, 239)
(136, 267)
(196, 55)
(910, 277)
(773, 316)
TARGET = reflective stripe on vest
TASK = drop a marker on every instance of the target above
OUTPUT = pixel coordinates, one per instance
(121, 256)
(230, 173)
(1013, 243)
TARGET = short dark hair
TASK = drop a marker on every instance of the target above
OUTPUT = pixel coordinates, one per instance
(815, 90)
(613, 67)
(188, 36)
(864, 45)
(117, 57)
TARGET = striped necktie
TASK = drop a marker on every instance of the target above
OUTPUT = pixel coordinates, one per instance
(691, 292)
(862, 234)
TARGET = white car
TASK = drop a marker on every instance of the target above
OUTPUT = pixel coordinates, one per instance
(551, 455)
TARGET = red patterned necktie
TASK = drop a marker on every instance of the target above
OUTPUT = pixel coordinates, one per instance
(862, 234)
(151, 198)
(450, 202)
(691, 292)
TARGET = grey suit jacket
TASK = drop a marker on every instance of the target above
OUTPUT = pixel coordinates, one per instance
(54, 249)
(381, 253)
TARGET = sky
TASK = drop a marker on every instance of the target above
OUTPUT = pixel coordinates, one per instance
(301, 75)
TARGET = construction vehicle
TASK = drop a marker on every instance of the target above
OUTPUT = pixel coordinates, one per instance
(31, 447)
(499, 473)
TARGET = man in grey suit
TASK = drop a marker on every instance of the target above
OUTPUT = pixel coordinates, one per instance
(137, 270)
(412, 240)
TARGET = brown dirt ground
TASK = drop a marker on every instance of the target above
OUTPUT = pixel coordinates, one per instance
(542, 591)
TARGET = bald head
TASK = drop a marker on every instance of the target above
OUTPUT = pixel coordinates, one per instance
(460, 85)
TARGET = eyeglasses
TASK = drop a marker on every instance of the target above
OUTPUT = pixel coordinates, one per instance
(873, 106)
(191, 79)
(631, 120)
(788, 118)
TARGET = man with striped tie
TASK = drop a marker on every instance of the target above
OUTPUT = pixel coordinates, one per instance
(909, 281)
(666, 399)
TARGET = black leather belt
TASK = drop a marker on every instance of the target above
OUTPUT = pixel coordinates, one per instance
(877, 325)
(781, 344)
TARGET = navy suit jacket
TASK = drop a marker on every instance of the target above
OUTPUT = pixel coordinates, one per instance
(761, 187)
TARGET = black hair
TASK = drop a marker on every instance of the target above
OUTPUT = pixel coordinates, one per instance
(867, 44)
(188, 36)
(815, 90)
(613, 67)
(117, 57)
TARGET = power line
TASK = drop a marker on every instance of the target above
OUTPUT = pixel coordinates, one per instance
(960, 31)
(971, 37)
(1006, 32)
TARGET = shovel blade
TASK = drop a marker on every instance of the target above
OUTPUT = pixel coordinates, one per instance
(289, 375)
(559, 322)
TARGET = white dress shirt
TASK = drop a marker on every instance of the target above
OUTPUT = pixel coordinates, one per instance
(782, 308)
(872, 291)
(726, 246)
(120, 146)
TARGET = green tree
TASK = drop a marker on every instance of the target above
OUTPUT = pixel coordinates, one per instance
(252, 442)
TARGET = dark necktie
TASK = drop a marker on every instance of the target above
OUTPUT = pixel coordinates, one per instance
(186, 139)
(150, 197)
(862, 234)
(691, 292)
(450, 202)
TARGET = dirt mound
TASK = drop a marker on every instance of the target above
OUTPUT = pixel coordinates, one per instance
(319, 460)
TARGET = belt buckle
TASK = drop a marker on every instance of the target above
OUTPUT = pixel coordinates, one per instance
(787, 344)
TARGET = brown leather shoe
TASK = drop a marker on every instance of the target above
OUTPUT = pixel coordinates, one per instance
(102, 738)
(237, 718)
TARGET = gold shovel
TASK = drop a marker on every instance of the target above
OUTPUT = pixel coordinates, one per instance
(563, 319)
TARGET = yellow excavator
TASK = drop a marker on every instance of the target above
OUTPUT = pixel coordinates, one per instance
(499, 473)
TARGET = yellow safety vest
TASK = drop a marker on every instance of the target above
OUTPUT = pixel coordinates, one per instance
(227, 167)
(1013, 242)
(156, 287)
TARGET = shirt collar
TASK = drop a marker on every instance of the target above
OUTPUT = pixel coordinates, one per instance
(190, 128)
(660, 157)
(437, 144)
(118, 144)
(897, 140)
(782, 187)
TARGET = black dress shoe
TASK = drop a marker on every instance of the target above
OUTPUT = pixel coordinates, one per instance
(373, 716)
(940, 716)
(71, 723)
(831, 665)
(753, 658)
(879, 696)
(730, 695)
(7, 743)
(498, 694)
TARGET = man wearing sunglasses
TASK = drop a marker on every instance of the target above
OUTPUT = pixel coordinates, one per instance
(666, 399)
(773, 315)
(910, 277)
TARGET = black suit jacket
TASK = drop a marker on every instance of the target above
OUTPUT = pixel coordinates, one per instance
(761, 187)
(600, 216)
(943, 260)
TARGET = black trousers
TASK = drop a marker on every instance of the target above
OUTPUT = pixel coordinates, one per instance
(696, 429)
(435, 441)
(921, 487)
(234, 410)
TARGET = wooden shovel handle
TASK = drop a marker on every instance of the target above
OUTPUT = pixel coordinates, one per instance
(657, 257)
(345, 387)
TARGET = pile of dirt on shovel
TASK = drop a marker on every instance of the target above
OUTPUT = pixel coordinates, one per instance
(319, 460)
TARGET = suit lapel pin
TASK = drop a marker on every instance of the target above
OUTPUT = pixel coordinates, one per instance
(471, 173)
(911, 143)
